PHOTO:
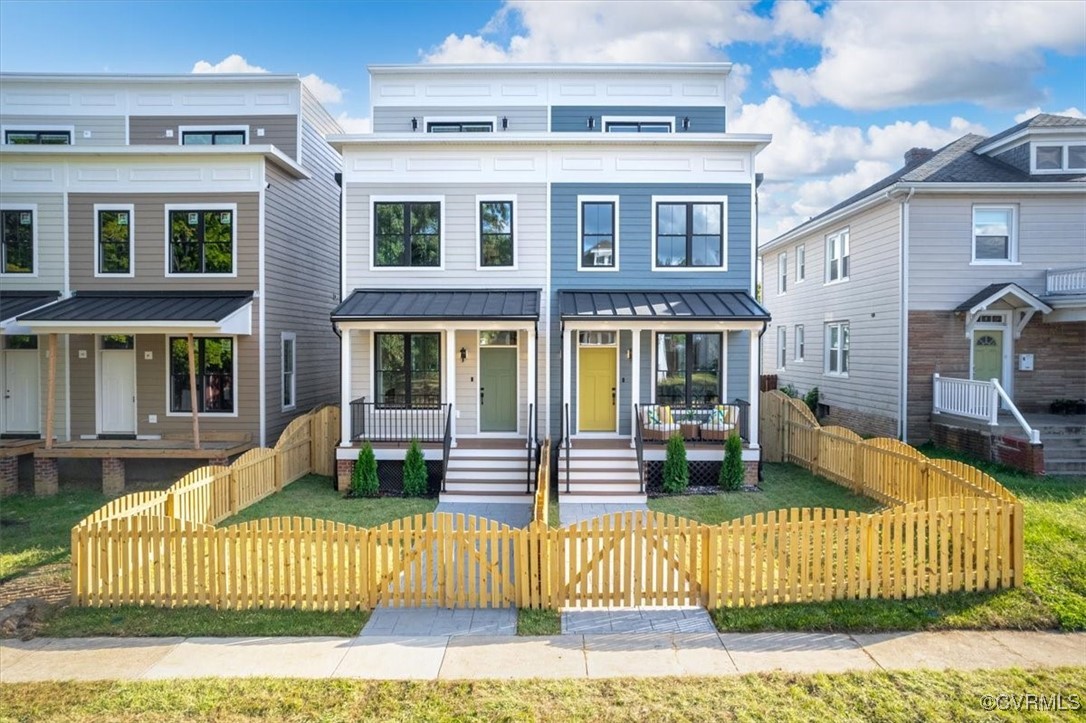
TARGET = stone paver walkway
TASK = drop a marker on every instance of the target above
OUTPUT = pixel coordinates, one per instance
(386, 621)
(637, 620)
(514, 514)
(570, 512)
(402, 657)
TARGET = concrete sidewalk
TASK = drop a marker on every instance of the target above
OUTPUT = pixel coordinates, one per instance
(565, 656)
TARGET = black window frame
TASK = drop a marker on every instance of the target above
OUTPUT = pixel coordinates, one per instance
(639, 127)
(7, 243)
(584, 235)
(688, 372)
(407, 401)
(406, 257)
(38, 134)
(460, 126)
(227, 381)
(484, 235)
(201, 240)
(215, 135)
(689, 236)
(102, 242)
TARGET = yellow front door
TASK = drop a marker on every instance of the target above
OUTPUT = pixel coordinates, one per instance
(596, 389)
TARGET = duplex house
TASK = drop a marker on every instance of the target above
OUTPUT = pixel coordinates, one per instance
(168, 242)
(948, 300)
(547, 250)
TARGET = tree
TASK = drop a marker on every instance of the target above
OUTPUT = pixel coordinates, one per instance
(364, 475)
(676, 469)
(731, 472)
(415, 476)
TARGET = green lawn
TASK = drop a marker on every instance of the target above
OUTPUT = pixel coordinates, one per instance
(872, 696)
(38, 530)
(531, 621)
(785, 485)
(187, 622)
(314, 496)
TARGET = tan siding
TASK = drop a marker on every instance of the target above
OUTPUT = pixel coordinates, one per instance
(869, 301)
(83, 384)
(50, 251)
(280, 131)
(104, 130)
(150, 247)
(467, 386)
(1051, 234)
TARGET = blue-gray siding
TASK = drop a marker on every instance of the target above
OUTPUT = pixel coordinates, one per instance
(397, 119)
(575, 117)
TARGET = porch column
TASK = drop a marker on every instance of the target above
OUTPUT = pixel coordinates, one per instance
(755, 390)
(533, 385)
(193, 399)
(51, 398)
(635, 382)
(450, 378)
(345, 388)
(567, 366)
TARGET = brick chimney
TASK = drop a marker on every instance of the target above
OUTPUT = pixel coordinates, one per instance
(916, 156)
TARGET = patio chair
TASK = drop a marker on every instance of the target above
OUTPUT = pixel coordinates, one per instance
(657, 423)
(721, 424)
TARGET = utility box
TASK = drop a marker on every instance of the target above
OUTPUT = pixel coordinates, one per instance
(1025, 362)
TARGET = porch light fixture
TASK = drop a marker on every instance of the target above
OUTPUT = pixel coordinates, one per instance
(463, 354)
(591, 122)
(686, 123)
(629, 355)
(414, 124)
(505, 123)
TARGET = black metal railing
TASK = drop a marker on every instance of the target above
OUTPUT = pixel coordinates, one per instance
(639, 446)
(531, 446)
(384, 422)
(566, 442)
(694, 422)
(446, 448)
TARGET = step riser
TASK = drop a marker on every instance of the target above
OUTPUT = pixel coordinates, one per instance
(476, 467)
(589, 488)
(480, 489)
(486, 478)
(603, 464)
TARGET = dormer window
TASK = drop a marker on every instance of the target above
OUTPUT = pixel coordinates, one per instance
(618, 124)
(1059, 157)
(232, 136)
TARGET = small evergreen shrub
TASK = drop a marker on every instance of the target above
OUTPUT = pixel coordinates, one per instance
(415, 477)
(676, 469)
(364, 475)
(789, 390)
(811, 400)
(731, 472)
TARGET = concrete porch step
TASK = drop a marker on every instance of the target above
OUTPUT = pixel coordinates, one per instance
(489, 497)
(1065, 466)
(588, 498)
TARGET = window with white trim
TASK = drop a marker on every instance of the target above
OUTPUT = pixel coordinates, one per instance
(288, 356)
(690, 234)
(801, 263)
(994, 236)
(114, 235)
(407, 233)
(782, 273)
(34, 137)
(1059, 157)
(837, 348)
(598, 233)
(800, 343)
(201, 240)
(18, 242)
(497, 247)
(225, 137)
(782, 346)
(837, 256)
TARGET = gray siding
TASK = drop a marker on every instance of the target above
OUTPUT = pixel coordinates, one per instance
(103, 130)
(280, 131)
(150, 242)
(50, 250)
(397, 119)
(575, 117)
(1051, 235)
(869, 301)
(302, 280)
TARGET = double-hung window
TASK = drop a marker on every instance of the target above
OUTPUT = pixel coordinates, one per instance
(801, 263)
(496, 243)
(688, 369)
(18, 242)
(288, 356)
(837, 256)
(800, 343)
(690, 234)
(113, 231)
(994, 237)
(782, 346)
(782, 273)
(214, 357)
(32, 137)
(408, 370)
(837, 348)
(407, 233)
(201, 240)
(599, 234)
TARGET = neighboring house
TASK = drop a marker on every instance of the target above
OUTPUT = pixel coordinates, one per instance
(535, 251)
(140, 210)
(968, 263)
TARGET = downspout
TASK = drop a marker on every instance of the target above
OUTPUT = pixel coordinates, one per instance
(903, 341)
(761, 458)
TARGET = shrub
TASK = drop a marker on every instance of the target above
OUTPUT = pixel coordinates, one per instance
(364, 475)
(731, 472)
(676, 470)
(789, 390)
(811, 400)
(415, 477)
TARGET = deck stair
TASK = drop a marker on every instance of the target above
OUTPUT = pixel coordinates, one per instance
(600, 471)
(481, 471)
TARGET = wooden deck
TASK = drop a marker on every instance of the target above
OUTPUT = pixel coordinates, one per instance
(146, 448)
(18, 447)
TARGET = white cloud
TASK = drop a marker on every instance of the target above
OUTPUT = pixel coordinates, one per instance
(607, 31)
(322, 90)
(886, 54)
(354, 125)
(1073, 112)
(230, 64)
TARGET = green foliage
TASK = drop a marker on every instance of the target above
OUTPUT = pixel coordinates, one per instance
(731, 472)
(415, 477)
(676, 469)
(811, 400)
(364, 474)
(789, 390)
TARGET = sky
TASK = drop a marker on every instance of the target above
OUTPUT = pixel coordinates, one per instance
(845, 88)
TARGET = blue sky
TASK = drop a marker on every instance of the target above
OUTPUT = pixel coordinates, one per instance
(844, 88)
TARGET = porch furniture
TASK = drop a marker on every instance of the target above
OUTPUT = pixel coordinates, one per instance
(658, 424)
(721, 423)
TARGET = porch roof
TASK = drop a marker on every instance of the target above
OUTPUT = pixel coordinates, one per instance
(223, 312)
(994, 292)
(661, 305)
(14, 303)
(428, 305)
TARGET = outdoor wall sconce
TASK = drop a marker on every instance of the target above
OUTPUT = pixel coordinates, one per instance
(463, 354)
(591, 122)
(505, 123)
(629, 355)
(686, 123)
(414, 124)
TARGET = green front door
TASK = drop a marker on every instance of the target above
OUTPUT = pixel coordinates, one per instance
(988, 355)
(498, 389)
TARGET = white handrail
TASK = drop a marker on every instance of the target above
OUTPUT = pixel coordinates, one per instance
(1033, 434)
(976, 399)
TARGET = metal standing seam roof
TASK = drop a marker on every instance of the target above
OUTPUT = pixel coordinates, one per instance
(406, 305)
(661, 305)
(14, 303)
(166, 306)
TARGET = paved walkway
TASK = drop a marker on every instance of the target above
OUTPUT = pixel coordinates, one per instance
(514, 514)
(565, 656)
(637, 620)
(440, 621)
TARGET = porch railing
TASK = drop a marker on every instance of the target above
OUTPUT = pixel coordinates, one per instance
(1065, 281)
(976, 399)
(565, 442)
(385, 422)
(639, 446)
(693, 422)
(531, 447)
(446, 448)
